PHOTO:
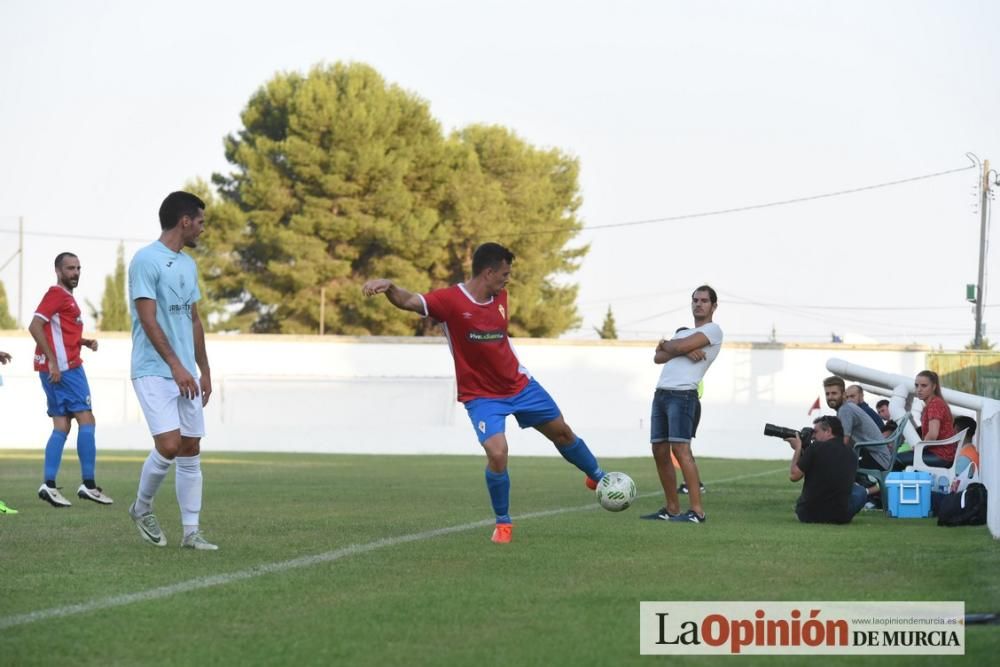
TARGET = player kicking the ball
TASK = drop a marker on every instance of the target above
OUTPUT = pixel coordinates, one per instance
(492, 383)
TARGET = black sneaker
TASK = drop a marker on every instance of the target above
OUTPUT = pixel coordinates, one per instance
(660, 515)
(689, 517)
(683, 488)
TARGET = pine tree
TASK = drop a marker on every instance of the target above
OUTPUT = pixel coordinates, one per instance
(608, 330)
(114, 315)
(340, 177)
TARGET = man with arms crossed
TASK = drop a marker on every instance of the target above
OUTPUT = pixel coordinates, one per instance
(168, 350)
(492, 383)
(58, 332)
(685, 359)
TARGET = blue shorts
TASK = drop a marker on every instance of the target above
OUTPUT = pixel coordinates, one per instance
(531, 407)
(68, 396)
(675, 415)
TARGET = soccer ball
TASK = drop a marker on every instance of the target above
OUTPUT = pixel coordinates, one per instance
(615, 491)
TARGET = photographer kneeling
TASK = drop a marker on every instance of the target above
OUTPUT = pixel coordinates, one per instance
(829, 494)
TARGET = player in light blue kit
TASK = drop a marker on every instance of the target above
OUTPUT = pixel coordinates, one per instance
(168, 351)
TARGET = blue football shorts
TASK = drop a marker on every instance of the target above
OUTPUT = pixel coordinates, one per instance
(532, 406)
(674, 415)
(68, 396)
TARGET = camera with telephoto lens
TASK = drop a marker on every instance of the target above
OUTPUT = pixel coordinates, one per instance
(805, 435)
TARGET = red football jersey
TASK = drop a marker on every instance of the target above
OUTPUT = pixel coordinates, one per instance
(485, 363)
(63, 329)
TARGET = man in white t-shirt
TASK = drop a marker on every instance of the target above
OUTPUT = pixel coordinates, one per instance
(685, 358)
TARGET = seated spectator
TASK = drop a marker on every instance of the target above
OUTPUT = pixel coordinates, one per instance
(855, 394)
(936, 423)
(856, 424)
(967, 459)
(828, 464)
(890, 428)
(882, 408)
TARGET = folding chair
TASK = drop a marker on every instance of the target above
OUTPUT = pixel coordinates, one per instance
(893, 441)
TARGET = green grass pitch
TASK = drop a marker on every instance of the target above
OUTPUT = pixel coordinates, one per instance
(334, 559)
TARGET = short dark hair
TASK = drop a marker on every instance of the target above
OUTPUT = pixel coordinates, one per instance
(834, 381)
(490, 255)
(712, 296)
(884, 401)
(833, 422)
(963, 422)
(176, 206)
(890, 425)
(61, 256)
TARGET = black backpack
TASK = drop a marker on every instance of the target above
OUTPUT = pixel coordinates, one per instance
(967, 508)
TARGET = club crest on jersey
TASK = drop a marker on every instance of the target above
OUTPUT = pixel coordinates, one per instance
(503, 313)
(467, 316)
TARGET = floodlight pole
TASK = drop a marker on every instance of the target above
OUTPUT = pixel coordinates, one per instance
(977, 341)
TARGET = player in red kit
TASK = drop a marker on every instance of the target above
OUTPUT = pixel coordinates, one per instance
(57, 328)
(492, 383)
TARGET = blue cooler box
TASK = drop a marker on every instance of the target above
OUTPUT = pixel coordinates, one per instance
(909, 494)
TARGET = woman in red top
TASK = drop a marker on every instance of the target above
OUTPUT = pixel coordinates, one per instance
(936, 423)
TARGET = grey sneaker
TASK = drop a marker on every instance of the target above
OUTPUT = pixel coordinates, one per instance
(197, 541)
(52, 496)
(96, 494)
(148, 527)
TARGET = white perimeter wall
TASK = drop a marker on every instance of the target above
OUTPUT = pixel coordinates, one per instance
(397, 395)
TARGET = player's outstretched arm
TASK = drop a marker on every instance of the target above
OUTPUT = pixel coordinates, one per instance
(399, 297)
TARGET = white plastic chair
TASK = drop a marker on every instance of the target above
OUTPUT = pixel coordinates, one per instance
(942, 478)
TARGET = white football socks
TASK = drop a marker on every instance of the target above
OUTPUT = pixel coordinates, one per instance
(153, 471)
(189, 482)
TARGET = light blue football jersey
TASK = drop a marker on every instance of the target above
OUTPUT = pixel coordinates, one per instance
(171, 279)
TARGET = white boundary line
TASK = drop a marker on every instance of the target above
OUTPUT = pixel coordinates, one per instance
(293, 564)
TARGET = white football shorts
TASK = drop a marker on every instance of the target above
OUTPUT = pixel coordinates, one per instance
(166, 410)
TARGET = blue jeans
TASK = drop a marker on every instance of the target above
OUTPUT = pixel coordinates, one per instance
(906, 459)
(859, 496)
(674, 415)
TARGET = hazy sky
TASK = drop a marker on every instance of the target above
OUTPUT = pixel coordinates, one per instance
(673, 108)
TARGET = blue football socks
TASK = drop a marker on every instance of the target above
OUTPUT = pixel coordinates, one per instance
(579, 455)
(53, 454)
(86, 449)
(498, 484)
